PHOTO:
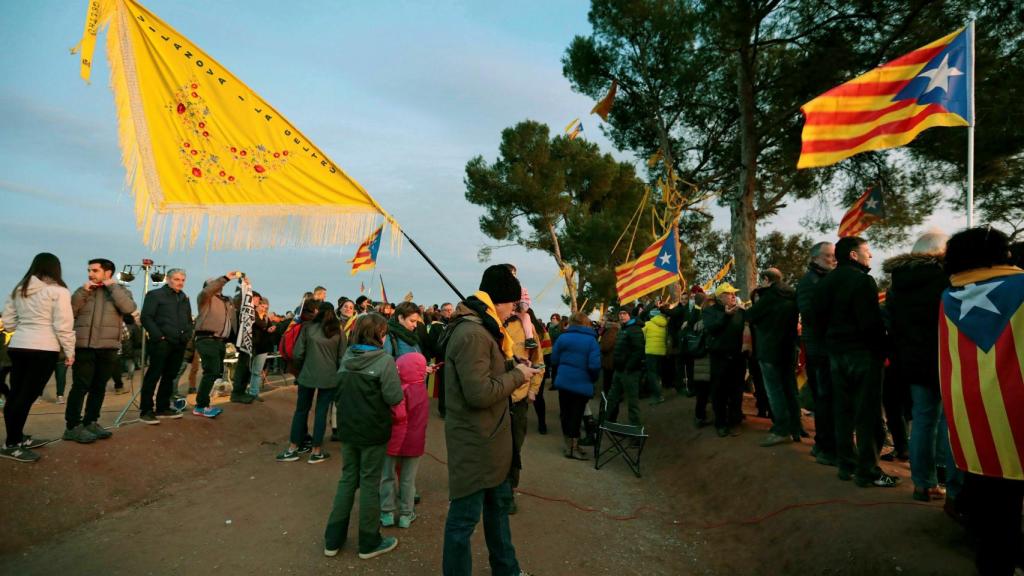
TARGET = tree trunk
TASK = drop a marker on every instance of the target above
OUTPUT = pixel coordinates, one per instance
(744, 218)
(567, 274)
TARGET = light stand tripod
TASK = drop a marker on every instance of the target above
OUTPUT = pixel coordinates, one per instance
(127, 275)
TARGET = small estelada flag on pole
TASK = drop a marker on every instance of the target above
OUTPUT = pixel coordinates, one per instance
(574, 129)
(657, 267)
(721, 274)
(867, 210)
(604, 107)
(890, 105)
(366, 254)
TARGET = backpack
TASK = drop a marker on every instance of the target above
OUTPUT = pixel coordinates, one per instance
(287, 348)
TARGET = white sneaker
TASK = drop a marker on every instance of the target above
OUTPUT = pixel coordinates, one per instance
(60, 399)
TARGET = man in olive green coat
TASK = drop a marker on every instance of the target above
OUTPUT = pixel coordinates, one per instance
(480, 376)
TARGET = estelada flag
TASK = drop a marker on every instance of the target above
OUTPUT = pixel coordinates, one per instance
(202, 149)
(657, 267)
(892, 104)
(604, 107)
(867, 210)
(574, 129)
(981, 357)
(366, 254)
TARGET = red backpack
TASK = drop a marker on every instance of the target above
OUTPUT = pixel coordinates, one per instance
(287, 348)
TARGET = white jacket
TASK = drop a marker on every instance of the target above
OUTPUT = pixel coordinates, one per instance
(42, 320)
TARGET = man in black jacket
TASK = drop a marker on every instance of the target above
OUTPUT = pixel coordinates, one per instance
(628, 359)
(723, 323)
(167, 318)
(819, 378)
(847, 313)
(774, 318)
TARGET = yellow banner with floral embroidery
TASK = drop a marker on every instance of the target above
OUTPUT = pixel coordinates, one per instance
(202, 149)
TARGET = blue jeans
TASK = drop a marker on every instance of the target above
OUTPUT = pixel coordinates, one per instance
(780, 383)
(463, 516)
(929, 438)
(257, 374)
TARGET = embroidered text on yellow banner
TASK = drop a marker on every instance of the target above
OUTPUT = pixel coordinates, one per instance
(199, 145)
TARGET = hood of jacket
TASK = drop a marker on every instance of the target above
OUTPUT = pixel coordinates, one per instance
(915, 272)
(36, 285)
(360, 358)
(581, 330)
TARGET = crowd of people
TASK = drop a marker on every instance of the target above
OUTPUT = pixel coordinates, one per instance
(872, 362)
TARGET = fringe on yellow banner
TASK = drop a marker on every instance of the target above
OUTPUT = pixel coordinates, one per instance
(202, 150)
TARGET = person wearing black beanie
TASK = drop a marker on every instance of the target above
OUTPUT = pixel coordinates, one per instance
(479, 378)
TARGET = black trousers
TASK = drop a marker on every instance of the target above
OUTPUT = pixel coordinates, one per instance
(571, 407)
(857, 380)
(242, 374)
(518, 412)
(30, 371)
(896, 403)
(684, 372)
(540, 407)
(89, 375)
(994, 516)
(819, 378)
(727, 371)
(164, 361)
(439, 386)
(760, 392)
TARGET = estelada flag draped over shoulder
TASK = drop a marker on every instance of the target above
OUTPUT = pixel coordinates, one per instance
(657, 267)
(892, 104)
(981, 358)
(199, 145)
(867, 210)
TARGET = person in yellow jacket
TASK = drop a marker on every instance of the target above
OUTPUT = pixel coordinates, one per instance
(522, 397)
(655, 346)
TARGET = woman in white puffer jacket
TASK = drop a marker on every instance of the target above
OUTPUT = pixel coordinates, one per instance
(39, 313)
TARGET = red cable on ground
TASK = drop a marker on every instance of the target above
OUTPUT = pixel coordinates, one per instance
(635, 515)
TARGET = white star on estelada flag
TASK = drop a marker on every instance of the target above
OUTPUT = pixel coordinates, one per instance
(975, 296)
(939, 77)
(665, 259)
(872, 203)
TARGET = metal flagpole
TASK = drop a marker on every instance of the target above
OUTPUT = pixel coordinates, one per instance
(970, 131)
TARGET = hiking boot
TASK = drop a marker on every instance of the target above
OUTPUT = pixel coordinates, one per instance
(774, 440)
(18, 453)
(406, 521)
(168, 414)
(530, 344)
(290, 455)
(387, 519)
(148, 418)
(882, 481)
(208, 412)
(387, 544)
(318, 458)
(242, 398)
(79, 434)
(98, 431)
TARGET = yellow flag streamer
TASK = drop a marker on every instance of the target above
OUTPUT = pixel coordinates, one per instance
(721, 274)
(200, 146)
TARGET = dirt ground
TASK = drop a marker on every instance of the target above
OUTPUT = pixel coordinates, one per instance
(198, 496)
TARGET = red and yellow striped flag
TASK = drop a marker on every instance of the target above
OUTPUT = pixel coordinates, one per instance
(366, 254)
(892, 104)
(981, 357)
(657, 267)
(604, 107)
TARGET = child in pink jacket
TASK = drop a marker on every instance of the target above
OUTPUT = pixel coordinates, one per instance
(408, 440)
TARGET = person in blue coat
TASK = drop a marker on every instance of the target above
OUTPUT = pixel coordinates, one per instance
(577, 359)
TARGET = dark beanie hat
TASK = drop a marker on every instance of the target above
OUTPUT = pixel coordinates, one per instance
(501, 284)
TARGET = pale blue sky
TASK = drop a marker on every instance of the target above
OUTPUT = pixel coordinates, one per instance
(400, 94)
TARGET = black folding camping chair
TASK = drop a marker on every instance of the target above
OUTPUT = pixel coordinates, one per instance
(626, 440)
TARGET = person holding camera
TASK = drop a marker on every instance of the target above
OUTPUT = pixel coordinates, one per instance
(98, 307)
(215, 326)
